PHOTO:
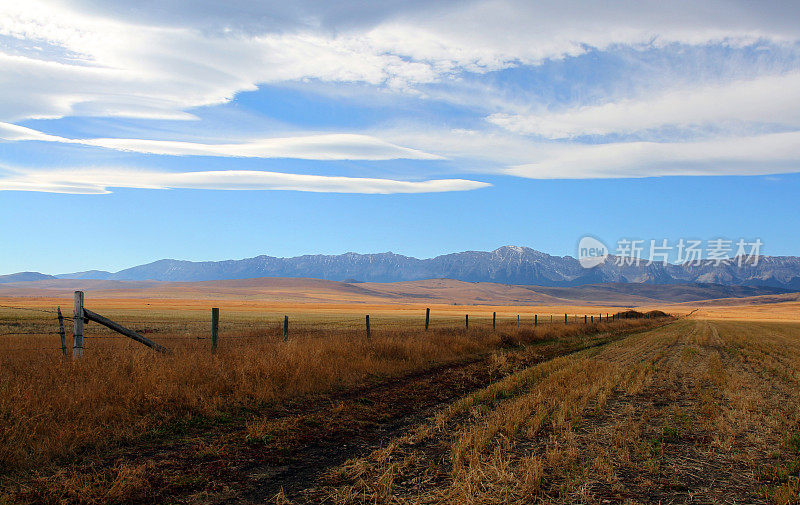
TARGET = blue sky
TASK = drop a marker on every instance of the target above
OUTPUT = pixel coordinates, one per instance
(220, 131)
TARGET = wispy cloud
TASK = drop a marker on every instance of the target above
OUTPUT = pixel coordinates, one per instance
(308, 147)
(98, 181)
(765, 100)
(757, 155)
(87, 59)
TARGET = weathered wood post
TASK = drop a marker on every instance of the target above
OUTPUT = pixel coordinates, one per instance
(585, 319)
(466, 321)
(108, 323)
(517, 320)
(592, 320)
(368, 335)
(214, 328)
(62, 334)
(535, 320)
(494, 320)
(551, 318)
(565, 319)
(427, 318)
(77, 326)
(285, 328)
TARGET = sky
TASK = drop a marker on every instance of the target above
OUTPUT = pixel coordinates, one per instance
(136, 131)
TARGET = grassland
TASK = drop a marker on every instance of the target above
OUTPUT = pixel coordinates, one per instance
(632, 411)
(122, 395)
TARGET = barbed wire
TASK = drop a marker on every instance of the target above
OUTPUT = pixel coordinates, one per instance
(29, 308)
(31, 348)
(29, 333)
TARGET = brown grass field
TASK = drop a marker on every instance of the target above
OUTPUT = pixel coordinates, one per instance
(633, 411)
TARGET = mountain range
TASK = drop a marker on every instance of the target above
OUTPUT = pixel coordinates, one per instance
(507, 265)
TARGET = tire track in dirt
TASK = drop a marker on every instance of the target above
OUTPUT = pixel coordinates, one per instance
(402, 406)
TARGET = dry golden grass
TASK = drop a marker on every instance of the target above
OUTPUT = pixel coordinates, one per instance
(52, 408)
(696, 411)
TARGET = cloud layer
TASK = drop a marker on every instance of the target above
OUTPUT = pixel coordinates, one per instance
(97, 181)
(86, 58)
(529, 89)
(759, 155)
(771, 99)
(310, 147)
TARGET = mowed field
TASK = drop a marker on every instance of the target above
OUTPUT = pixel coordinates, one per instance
(640, 411)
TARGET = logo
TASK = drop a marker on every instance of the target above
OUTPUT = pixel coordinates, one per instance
(591, 252)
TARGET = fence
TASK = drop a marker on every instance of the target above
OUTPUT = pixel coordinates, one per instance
(82, 316)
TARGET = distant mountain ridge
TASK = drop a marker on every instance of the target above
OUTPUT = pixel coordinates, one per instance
(24, 277)
(507, 265)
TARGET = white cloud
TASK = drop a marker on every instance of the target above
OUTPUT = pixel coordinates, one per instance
(308, 147)
(88, 58)
(757, 155)
(101, 58)
(768, 99)
(97, 181)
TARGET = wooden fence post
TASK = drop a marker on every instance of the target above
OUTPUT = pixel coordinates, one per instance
(517, 320)
(77, 326)
(565, 319)
(592, 321)
(535, 320)
(368, 326)
(214, 328)
(585, 319)
(62, 334)
(285, 328)
(494, 320)
(427, 318)
(466, 321)
(551, 318)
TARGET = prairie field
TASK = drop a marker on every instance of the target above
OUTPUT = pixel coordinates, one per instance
(632, 410)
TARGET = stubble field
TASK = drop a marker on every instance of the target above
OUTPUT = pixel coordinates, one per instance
(668, 410)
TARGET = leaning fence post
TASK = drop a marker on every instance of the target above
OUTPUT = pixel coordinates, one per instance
(367, 325)
(77, 326)
(427, 318)
(285, 328)
(494, 320)
(61, 333)
(214, 328)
